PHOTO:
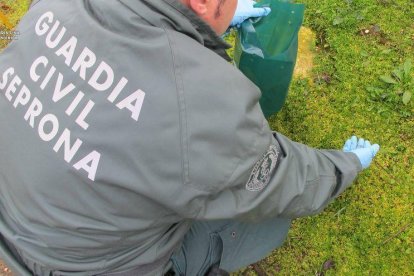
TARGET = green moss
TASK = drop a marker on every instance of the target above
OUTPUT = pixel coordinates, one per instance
(13, 10)
(368, 230)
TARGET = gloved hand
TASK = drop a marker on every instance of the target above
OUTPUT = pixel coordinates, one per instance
(246, 9)
(363, 149)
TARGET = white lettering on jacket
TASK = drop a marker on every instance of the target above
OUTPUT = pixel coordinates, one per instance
(47, 125)
(98, 73)
(61, 91)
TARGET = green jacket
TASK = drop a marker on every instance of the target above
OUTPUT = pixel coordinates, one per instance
(122, 122)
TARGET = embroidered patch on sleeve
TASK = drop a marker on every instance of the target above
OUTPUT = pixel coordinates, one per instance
(262, 171)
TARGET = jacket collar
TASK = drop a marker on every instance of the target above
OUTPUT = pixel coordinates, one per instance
(173, 14)
(210, 39)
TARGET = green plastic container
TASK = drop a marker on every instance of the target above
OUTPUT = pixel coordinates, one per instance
(266, 51)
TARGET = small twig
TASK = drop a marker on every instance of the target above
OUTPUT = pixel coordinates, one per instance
(398, 233)
(339, 212)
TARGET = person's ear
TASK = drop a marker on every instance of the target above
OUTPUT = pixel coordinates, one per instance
(200, 7)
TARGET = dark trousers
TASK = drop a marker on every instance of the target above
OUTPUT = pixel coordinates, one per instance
(229, 244)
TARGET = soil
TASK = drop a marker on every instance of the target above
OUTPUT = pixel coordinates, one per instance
(306, 53)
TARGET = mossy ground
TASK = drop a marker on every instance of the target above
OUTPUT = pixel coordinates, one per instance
(368, 230)
(11, 12)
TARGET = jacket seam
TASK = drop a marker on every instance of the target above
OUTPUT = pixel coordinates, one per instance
(34, 3)
(184, 126)
(181, 106)
(254, 148)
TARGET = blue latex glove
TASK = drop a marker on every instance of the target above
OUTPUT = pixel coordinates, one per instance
(246, 9)
(363, 149)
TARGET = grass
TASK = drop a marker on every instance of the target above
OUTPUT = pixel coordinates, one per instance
(11, 12)
(368, 230)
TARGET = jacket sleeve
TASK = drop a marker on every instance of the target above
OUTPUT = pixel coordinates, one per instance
(234, 165)
(304, 180)
(298, 181)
